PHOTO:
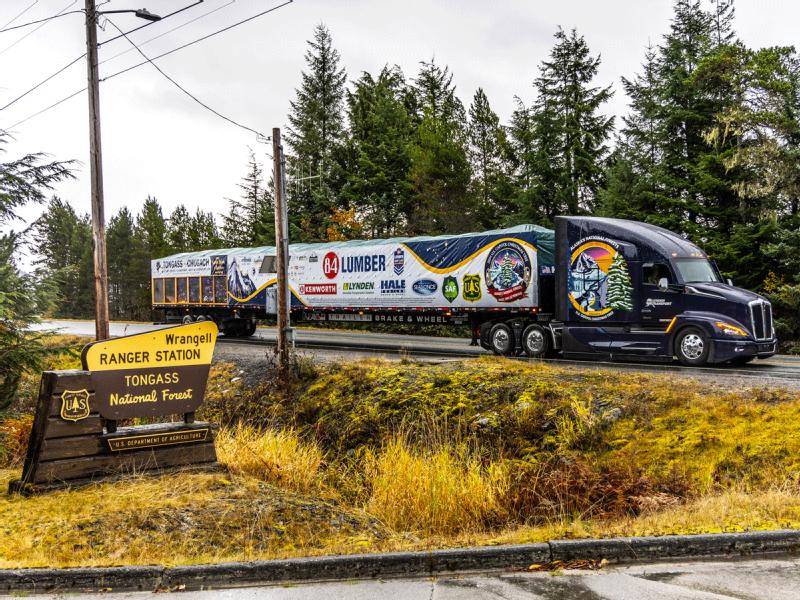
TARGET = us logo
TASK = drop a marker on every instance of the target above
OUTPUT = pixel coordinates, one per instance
(399, 261)
(450, 288)
(472, 288)
(74, 405)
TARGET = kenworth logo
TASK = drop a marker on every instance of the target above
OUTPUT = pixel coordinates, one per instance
(393, 286)
(424, 287)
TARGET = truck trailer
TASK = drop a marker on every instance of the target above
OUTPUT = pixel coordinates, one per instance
(593, 288)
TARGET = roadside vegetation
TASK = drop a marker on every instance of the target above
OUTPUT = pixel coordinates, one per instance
(375, 456)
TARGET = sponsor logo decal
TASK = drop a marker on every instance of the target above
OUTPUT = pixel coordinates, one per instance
(330, 265)
(393, 286)
(74, 405)
(598, 279)
(219, 264)
(318, 289)
(472, 288)
(650, 302)
(507, 271)
(312, 258)
(450, 288)
(358, 287)
(399, 261)
(424, 287)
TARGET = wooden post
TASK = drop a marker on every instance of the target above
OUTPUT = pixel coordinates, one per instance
(96, 164)
(281, 251)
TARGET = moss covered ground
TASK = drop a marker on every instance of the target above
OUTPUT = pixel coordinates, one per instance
(374, 455)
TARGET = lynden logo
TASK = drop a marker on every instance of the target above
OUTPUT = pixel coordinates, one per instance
(318, 289)
(358, 287)
(393, 286)
(399, 261)
(74, 405)
(424, 287)
(330, 265)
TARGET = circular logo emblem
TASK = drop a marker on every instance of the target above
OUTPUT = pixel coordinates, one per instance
(599, 282)
(508, 271)
(330, 265)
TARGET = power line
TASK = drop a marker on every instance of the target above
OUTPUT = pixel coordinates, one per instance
(150, 60)
(43, 81)
(35, 29)
(28, 24)
(167, 16)
(183, 89)
(205, 14)
(19, 14)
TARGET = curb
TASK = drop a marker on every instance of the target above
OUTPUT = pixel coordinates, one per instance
(397, 564)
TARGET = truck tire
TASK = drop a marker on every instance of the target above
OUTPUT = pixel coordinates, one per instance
(187, 319)
(501, 340)
(535, 341)
(692, 346)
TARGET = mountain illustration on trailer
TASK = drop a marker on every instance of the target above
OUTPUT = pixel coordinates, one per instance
(599, 280)
(239, 283)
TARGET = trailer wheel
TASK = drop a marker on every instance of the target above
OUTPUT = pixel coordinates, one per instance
(501, 339)
(486, 329)
(201, 318)
(535, 341)
(187, 319)
(692, 347)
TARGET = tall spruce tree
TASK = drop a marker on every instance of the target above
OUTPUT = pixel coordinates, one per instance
(378, 155)
(202, 233)
(251, 219)
(487, 153)
(125, 284)
(315, 134)
(440, 172)
(178, 230)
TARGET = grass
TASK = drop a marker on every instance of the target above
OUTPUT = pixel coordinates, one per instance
(376, 456)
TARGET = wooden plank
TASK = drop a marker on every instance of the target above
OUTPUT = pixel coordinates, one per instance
(76, 468)
(55, 405)
(72, 447)
(58, 428)
(39, 427)
(69, 380)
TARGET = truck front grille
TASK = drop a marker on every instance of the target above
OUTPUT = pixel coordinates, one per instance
(761, 319)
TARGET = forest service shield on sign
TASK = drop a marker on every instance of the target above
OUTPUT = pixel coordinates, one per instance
(472, 288)
(74, 405)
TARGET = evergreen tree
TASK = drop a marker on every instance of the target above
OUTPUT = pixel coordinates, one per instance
(315, 134)
(378, 159)
(722, 21)
(151, 229)
(251, 218)
(487, 141)
(202, 233)
(440, 171)
(125, 284)
(572, 134)
(178, 230)
(619, 289)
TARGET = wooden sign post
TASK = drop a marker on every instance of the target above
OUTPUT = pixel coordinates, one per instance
(75, 435)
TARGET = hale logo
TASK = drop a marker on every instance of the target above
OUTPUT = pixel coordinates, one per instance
(399, 261)
(450, 288)
(472, 288)
(74, 405)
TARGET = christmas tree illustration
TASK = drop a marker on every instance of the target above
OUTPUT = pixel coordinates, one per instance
(619, 285)
(506, 272)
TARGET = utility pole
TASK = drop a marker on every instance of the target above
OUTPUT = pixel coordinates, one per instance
(96, 164)
(281, 251)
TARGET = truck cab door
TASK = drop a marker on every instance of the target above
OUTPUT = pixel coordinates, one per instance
(659, 302)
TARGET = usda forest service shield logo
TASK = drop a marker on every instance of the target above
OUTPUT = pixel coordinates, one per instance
(450, 288)
(472, 288)
(74, 405)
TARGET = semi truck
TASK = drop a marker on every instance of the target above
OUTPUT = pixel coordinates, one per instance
(591, 288)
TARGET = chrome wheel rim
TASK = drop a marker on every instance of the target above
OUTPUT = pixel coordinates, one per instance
(534, 341)
(692, 346)
(501, 339)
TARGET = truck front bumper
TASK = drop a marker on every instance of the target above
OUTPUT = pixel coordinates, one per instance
(725, 349)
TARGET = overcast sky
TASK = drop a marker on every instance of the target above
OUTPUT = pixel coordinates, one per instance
(157, 141)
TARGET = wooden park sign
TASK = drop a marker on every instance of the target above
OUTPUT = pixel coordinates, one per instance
(75, 433)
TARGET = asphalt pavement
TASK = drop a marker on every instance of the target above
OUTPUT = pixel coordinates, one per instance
(753, 579)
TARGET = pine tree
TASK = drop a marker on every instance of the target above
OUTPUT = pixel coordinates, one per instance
(619, 288)
(440, 171)
(487, 142)
(125, 285)
(378, 159)
(251, 219)
(202, 233)
(178, 230)
(151, 229)
(315, 134)
(571, 131)
(506, 272)
(722, 20)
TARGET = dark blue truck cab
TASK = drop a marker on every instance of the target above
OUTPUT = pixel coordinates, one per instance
(632, 291)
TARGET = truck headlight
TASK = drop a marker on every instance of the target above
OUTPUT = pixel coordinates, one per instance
(729, 329)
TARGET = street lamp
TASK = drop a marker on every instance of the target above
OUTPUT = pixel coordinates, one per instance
(96, 164)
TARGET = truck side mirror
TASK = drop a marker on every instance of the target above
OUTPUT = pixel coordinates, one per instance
(663, 284)
(729, 281)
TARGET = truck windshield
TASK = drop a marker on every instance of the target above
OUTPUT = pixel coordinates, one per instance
(696, 270)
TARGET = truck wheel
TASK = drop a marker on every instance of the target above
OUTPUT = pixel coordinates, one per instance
(486, 329)
(535, 341)
(692, 347)
(501, 339)
(187, 319)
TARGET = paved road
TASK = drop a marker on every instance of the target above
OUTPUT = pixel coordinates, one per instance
(755, 579)
(329, 343)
